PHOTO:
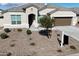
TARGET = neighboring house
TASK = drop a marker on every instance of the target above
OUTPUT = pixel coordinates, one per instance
(26, 16)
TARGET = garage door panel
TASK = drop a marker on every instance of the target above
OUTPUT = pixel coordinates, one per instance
(62, 21)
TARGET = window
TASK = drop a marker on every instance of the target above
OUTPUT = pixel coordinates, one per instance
(16, 19)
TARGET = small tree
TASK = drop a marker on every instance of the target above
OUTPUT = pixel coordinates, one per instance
(46, 21)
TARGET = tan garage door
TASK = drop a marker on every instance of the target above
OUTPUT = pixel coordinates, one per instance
(62, 21)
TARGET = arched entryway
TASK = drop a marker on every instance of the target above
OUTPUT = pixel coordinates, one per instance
(31, 18)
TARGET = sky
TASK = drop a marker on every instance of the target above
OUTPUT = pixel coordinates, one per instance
(5, 6)
(10, 5)
(67, 5)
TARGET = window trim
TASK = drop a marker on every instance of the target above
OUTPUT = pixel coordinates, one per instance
(15, 19)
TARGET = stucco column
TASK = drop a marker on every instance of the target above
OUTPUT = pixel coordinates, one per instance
(36, 21)
(62, 39)
(74, 21)
(27, 20)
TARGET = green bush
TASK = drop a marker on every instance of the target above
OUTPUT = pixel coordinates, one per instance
(19, 30)
(4, 36)
(29, 32)
(7, 30)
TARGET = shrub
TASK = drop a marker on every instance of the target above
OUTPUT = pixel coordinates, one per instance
(59, 50)
(9, 54)
(13, 40)
(4, 36)
(30, 38)
(29, 32)
(72, 47)
(7, 30)
(12, 45)
(33, 44)
(28, 55)
(58, 34)
(34, 53)
(19, 30)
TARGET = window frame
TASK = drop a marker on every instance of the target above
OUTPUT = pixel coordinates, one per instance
(16, 19)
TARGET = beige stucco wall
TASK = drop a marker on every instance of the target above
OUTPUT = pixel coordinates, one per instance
(1, 20)
(7, 18)
(63, 14)
(74, 20)
(32, 10)
(24, 18)
(0, 14)
(77, 18)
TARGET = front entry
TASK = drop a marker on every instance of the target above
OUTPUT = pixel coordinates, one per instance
(31, 18)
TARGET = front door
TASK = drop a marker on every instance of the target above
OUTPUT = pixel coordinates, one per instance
(31, 18)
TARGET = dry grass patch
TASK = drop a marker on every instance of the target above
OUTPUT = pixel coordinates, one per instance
(12, 45)
(59, 51)
(13, 40)
(19, 30)
(30, 38)
(32, 44)
(9, 54)
(72, 47)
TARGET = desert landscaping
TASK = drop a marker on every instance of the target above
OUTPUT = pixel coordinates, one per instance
(19, 43)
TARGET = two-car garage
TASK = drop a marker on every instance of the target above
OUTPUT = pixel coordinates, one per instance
(62, 21)
(64, 18)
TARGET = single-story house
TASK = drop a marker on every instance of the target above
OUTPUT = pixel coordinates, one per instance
(26, 16)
